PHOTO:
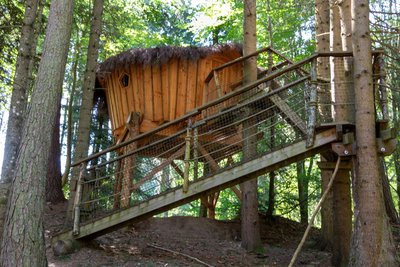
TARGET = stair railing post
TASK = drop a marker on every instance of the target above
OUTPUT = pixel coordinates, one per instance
(188, 139)
(196, 152)
(78, 199)
(312, 106)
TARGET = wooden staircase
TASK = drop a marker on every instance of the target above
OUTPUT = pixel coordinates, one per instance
(227, 178)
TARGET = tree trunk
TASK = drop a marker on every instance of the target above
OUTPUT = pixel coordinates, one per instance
(250, 225)
(342, 92)
(271, 195)
(26, 246)
(69, 122)
(342, 218)
(323, 71)
(372, 242)
(326, 209)
(19, 94)
(17, 106)
(387, 194)
(302, 183)
(54, 193)
(82, 139)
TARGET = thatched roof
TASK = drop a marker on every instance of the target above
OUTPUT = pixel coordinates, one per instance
(160, 55)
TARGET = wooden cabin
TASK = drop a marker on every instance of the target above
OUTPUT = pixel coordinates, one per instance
(162, 84)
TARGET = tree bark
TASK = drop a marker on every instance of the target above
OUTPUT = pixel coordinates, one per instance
(25, 246)
(342, 218)
(372, 242)
(250, 225)
(323, 71)
(387, 194)
(326, 210)
(342, 92)
(17, 106)
(19, 95)
(54, 193)
(302, 184)
(82, 139)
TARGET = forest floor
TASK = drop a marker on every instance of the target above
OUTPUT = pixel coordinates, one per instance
(216, 243)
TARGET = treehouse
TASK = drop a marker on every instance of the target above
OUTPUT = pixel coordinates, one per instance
(157, 85)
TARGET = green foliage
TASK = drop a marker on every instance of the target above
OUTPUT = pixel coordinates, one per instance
(10, 26)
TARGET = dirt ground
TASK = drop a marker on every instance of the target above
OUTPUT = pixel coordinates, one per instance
(163, 241)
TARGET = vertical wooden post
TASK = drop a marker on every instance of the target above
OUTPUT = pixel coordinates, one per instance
(187, 163)
(382, 88)
(196, 152)
(312, 106)
(77, 200)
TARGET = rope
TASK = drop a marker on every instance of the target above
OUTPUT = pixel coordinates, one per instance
(317, 208)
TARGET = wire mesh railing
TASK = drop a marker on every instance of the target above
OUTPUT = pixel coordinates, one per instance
(283, 106)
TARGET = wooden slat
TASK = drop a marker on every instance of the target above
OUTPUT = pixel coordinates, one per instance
(182, 87)
(130, 93)
(173, 87)
(117, 98)
(148, 94)
(125, 99)
(191, 86)
(201, 74)
(165, 91)
(134, 89)
(140, 89)
(157, 94)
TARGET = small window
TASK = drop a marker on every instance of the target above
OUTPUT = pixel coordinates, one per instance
(124, 80)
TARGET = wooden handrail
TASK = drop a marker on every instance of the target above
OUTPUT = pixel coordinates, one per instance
(230, 63)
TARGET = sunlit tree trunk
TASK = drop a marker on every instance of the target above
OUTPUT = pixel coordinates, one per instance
(342, 94)
(19, 94)
(250, 225)
(82, 139)
(323, 71)
(372, 242)
(26, 247)
(17, 105)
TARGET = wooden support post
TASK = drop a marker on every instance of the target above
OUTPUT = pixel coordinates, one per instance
(196, 152)
(312, 106)
(77, 200)
(187, 161)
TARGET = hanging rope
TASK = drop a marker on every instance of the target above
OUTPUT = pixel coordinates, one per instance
(317, 208)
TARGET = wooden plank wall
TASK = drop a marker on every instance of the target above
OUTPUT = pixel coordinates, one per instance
(165, 92)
